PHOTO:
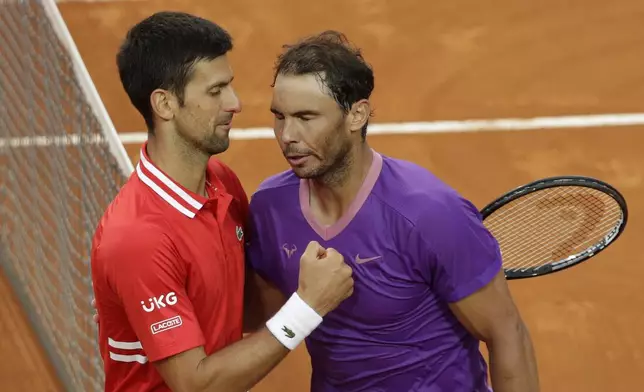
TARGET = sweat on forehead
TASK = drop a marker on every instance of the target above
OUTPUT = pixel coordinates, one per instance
(310, 83)
(298, 94)
(338, 66)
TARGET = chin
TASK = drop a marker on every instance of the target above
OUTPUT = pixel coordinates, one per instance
(305, 172)
(221, 145)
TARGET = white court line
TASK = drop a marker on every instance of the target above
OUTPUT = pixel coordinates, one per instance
(99, 1)
(503, 124)
(423, 127)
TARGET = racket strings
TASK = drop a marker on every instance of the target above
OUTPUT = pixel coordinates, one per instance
(527, 212)
(551, 245)
(516, 256)
(535, 259)
(552, 224)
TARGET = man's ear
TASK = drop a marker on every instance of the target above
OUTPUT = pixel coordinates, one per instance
(359, 115)
(164, 104)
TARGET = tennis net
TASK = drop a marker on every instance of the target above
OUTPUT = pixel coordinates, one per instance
(61, 163)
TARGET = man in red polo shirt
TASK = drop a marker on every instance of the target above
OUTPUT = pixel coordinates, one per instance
(168, 257)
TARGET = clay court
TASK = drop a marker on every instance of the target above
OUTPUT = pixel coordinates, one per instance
(437, 61)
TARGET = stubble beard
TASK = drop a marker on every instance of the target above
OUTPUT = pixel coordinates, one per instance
(209, 145)
(214, 144)
(334, 171)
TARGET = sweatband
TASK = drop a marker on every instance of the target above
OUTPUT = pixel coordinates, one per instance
(293, 322)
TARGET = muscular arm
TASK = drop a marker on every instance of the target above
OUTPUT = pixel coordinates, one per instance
(240, 366)
(463, 265)
(491, 315)
(151, 268)
(237, 367)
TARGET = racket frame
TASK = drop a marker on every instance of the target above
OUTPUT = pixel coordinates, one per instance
(553, 182)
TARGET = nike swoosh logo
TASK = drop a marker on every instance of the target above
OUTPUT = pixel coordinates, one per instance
(360, 261)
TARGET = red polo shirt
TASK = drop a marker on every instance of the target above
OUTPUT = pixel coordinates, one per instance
(168, 272)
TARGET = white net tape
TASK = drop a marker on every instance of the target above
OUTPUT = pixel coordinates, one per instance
(61, 163)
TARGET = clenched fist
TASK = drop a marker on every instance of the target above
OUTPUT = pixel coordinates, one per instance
(325, 279)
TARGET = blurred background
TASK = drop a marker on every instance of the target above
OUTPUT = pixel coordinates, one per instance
(550, 64)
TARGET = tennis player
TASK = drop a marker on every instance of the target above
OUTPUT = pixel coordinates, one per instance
(429, 284)
(167, 257)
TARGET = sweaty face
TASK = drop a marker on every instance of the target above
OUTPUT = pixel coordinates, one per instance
(309, 126)
(210, 103)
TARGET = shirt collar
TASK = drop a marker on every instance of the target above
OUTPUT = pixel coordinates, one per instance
(180, 198)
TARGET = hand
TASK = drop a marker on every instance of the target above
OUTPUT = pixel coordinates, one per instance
(95, 317)
(325, 279)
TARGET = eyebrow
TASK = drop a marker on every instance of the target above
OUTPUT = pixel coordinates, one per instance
(223, 83)
(298, 113)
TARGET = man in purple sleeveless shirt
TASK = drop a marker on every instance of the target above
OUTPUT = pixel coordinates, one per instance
(428, 279)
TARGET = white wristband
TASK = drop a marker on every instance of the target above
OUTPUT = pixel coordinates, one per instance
(293, 322)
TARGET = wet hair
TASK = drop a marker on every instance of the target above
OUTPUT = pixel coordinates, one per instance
(161, 51)
(338, 65)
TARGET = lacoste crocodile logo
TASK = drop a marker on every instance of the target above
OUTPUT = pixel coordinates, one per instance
(288, 333)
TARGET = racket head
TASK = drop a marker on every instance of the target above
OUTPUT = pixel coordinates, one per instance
(550, 207)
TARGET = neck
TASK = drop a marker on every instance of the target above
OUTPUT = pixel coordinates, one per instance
(332, 194)
(181, 163)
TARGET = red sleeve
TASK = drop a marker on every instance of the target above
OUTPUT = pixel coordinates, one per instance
(149, 278)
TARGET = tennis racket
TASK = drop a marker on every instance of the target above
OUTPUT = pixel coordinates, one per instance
(554, 223)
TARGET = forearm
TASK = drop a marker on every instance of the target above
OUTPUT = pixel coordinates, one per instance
(240, 366)
(513, 365)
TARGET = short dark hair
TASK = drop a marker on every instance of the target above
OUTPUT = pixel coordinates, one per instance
(335, 61)
(160, 52)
